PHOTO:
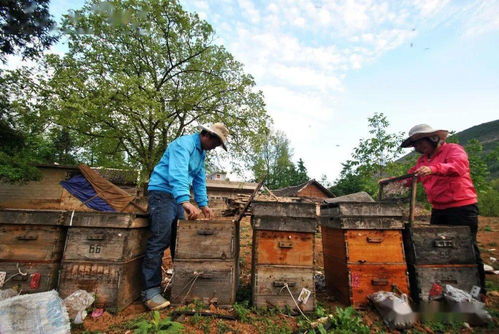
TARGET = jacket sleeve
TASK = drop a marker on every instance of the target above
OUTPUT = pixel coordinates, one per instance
(457, 163)
(178, 171)
(199, 187)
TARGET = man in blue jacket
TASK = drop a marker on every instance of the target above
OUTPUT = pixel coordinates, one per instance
(181, 166)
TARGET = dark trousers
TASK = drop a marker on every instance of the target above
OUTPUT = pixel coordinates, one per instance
(462, 215)
(163, 215)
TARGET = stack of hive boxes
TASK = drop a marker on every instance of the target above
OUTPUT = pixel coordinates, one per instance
(363, 250)
(283, 254)
(31, 248)
(206, 263)
(440, 254)
(103, 254)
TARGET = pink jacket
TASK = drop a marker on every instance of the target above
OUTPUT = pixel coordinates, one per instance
(450, 183)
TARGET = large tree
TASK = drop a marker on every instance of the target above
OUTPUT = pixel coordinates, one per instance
(373, 158)
(274, 160)
(26, 27)
(137, 75)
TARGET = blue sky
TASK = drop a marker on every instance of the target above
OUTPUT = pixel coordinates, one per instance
(325, 66)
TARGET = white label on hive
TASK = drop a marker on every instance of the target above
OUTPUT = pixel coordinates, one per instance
(3, 274)
(304, 295)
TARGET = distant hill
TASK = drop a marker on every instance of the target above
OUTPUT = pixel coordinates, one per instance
(486, 133)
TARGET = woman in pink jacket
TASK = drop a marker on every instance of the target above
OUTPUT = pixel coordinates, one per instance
(444, 170)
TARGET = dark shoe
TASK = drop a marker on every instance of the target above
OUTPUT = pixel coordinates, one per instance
(157, 303)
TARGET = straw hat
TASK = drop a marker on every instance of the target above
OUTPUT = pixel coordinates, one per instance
(219, 130)
(423, 131)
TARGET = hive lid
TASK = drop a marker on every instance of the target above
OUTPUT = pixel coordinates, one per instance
(284, 209)
(361, 209)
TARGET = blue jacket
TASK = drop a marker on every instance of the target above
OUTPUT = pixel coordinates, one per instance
(181, 166)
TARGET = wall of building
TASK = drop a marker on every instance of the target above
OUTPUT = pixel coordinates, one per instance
(312, 191)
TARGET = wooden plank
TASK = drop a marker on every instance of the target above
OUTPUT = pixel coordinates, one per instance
(212, 282)
(38, 277)
(463, 277)
(106, 219)
(434, 244)
(105, 244)
(31, 242)
(269, 290)
(283, 209)
(375, 246)
(284, 248)
(30, 216)
(365, 279)
(363, 223)
(115, 284)
(206, 239)
(290, 224)
(361, 209)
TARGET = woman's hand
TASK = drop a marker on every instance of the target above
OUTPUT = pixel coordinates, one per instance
(423, 171)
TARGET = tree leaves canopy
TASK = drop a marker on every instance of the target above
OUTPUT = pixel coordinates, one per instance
(139, 74)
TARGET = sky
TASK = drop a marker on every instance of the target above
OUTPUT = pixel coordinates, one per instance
(325, 66)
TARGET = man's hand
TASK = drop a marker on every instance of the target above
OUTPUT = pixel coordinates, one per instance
(192, 212)
(423, 171)
(207, 212)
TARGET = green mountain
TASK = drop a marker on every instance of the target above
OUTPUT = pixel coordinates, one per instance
(488, 135)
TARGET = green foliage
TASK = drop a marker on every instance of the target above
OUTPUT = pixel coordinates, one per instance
(488, 201)
(242, 311)
(373, 159)
(478, 167)
(139, 74)
(157, 325)
(274, 159)
(26, 27)
(347, 320)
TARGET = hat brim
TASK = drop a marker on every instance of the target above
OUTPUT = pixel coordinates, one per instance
(442, 134)
(202, 127)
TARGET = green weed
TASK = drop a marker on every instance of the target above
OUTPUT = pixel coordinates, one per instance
(242, 311)
(157, 325)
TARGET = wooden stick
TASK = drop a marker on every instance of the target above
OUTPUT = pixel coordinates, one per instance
(271, 193)
(246, 206)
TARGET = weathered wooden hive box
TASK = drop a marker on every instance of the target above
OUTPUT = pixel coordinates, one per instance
(363, 250)
(103, 254)
(206, 265)
(283, 254)
(440, 254)
(31, 248)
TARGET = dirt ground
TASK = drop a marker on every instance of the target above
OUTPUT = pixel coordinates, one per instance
(251, 321)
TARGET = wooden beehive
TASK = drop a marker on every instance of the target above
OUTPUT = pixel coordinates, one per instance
(103, 254)
(30, 277)
(363, 250)
(207, 239)
(212, 282)
(31, 247)
(463, 277)
(105, 244)
(269, 288)
(439, 244)
(442, 254)
(31, 243)
(283, 254)
(115, 284)
(206, 263)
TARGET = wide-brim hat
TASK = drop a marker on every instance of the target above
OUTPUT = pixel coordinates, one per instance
(423, 131)
(219, 130)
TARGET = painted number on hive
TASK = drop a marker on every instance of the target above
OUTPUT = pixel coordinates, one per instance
(94, 249)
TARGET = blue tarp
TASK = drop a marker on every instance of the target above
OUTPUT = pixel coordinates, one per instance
(79, 187)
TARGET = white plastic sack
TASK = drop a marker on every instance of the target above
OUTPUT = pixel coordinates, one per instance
(41, 313)
(76, 304)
